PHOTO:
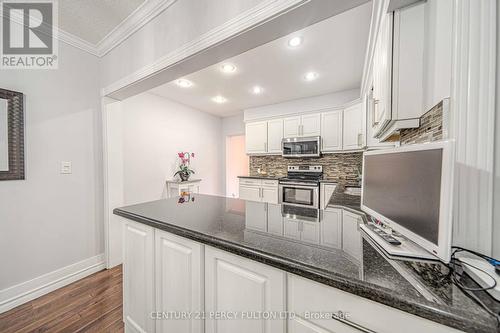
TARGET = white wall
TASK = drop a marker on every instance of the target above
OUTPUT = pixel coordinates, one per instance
(50, 220)
(155, 129)
(496, 178)
(302, 105)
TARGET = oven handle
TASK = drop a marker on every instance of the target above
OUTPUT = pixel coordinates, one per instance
(299, 185)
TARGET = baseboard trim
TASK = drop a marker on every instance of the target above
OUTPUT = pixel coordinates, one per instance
(29, 290)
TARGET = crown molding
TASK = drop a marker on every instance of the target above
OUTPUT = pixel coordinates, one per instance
(250, 18)
(147, 11)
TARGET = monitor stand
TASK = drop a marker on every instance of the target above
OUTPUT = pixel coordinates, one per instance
(407, 248)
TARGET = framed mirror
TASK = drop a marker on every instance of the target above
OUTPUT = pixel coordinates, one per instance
(11, 135)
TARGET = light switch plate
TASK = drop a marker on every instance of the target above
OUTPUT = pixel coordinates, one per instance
(66, 168)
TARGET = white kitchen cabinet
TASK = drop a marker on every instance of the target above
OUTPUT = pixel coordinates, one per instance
(236, 284)
(256, 137)
(138, 277)
(353, 134)
(303, 125)
(331, 131)
(179, 281)
(261, 190)
(310, 232)
(360, 314)
(274, 135)
(311, 124)
(398, 71)
(256, 216)
(291, 127)
(325, 194)
(331, 228)
(270, 194)
(352, 242)
(274, 220)
(250, 193)
(291, 228)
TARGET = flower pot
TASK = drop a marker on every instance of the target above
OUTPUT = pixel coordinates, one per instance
(184, 176)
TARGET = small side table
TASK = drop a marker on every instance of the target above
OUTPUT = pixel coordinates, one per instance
(176, 187)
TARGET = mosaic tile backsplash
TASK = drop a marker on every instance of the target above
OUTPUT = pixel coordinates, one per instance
(342, 167)
(431, 128)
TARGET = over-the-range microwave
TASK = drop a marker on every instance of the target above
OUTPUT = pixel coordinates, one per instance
(301, 147)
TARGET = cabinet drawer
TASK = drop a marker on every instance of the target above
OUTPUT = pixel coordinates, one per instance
(269, 183)
(250, 181)
(306, 296)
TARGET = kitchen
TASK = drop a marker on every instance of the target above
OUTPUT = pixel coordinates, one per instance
(304, 166)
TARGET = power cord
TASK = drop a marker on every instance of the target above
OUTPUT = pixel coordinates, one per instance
(457, 276)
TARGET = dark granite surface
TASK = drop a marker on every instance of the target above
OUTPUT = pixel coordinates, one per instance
(262, 177)
(341, 200)
(421, 288)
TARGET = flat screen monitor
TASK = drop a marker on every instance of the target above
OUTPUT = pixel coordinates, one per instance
(410, 189)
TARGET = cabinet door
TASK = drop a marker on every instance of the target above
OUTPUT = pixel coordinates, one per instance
(291, 127)
(270, 194)
(291, 228)
(299, 325)
(179, 286)
(310, 125)
(138, 277)
(274, 220)
(256, 216)
(310, 232)
(256, 137)
(326, 194)
(331, 131)
(235, 284)
(353, 127)
(351, 238)
(274, 135)
(382, 69)
(331, 228)
(250, 193)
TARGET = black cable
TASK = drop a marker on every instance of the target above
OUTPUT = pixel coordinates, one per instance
(455, 278)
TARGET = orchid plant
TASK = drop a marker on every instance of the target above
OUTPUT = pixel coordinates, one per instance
(184, 170)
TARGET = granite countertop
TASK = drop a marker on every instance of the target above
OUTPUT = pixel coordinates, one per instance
(271, 177)
(420, 288)
(339, 199)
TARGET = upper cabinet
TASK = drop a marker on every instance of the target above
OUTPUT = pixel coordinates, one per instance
(331, 131)
(305, 125)
(398, 67)
(353, 134)
(274, 135)
(256, 137)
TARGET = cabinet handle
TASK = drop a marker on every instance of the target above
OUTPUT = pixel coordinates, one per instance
(350, 323)
(260, 192)
(301, 130)
(360, 139)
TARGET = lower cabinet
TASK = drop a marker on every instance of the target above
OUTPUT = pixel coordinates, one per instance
(179, 282)
(138, 277)
(235, 285)
(319, 308)
(261, 190)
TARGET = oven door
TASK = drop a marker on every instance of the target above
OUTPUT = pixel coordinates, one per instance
(301, 147)
(299, 195)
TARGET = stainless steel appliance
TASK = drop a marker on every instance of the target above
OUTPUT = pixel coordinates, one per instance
(301, 186)
(301, 147)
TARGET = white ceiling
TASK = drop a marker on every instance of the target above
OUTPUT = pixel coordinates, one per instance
(92, 20)
(334, 48)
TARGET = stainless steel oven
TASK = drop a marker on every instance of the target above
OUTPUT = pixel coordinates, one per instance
(301, 186)
(301, 147)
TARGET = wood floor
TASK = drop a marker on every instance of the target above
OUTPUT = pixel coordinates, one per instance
(93, 304)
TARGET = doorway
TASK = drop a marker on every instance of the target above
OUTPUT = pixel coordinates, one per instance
(236, 164)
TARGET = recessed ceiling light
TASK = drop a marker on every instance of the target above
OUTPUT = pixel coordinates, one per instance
(295, 41)
(219, 99)
(184, 83)
(311, 76)
(227, 68)
(257, 90)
